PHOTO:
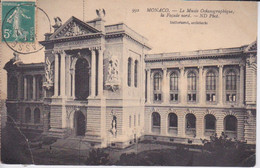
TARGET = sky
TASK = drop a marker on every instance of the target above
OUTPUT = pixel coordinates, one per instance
(231, 30)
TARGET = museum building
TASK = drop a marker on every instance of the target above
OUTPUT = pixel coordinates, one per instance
(99, 84)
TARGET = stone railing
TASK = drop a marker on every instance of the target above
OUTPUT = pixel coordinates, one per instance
(121, 27)
(195, 53)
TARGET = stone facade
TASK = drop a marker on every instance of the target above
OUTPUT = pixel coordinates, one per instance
(98, 83)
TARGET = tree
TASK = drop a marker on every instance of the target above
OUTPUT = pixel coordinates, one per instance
(97, 157)
(225, 152)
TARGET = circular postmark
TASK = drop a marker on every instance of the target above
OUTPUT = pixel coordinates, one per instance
(15, 34)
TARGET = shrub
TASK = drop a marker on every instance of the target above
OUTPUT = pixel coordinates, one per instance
(97, 157)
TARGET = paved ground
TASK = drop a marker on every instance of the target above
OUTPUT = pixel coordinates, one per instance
(69, 156)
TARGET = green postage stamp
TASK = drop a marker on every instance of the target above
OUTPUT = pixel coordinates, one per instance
(18, 21)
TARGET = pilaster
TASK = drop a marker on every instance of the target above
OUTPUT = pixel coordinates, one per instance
(220, 85)
(100, 72)
(62, 74)
(34, 88)
(25, 88)
(148, 86)
(183, 87)
(93, 73)
(56, 73)
(241, 90)
(201, 86)
(164, 86)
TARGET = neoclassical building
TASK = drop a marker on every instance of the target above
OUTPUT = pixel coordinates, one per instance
(99, 84)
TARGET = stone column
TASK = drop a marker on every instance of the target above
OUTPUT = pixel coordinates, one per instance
(182, 86)
(164, 86)
(72, 73)
(220, 85)
(241, 90)
(93, 73)
(100, 72)
(201, 86)
(25, 88)
(148, 86)
(56, 73)
(34, 88)
(62, 74)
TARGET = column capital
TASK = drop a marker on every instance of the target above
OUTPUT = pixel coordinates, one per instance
(241, 65)
(220, 66)
(96, 48)
(57, 51)
(200, 67)
(164, 68)
(181, 68)
(147, 69)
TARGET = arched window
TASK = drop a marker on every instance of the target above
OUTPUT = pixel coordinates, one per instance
(192, 87)
(81, 79)
(156, 119)
(156, 122)
(211, 86)
(129, 71)
(37, 116)
(190, 121)
(174, 87)
(210, 124)
(27, 115)
(13, 88)
(136, 73)
(231, 86)
(157, 86)
(191, 124)
(172, 124)
(173, 120)
(230, 123)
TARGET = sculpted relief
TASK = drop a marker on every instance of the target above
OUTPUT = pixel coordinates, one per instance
(112, 80)
(49, 68)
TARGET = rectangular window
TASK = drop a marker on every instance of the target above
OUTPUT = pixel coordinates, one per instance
(211, 97)
(194, 97)
(191, 97)
(157, 97)
(208, 97)
(231, 97)
(173, 97)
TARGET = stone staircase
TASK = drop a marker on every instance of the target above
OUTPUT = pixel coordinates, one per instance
(72, 143)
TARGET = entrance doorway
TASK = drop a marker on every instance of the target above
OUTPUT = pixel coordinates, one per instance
(80, 123)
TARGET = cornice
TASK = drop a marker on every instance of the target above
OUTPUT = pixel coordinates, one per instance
(212, 56)
(73, 38)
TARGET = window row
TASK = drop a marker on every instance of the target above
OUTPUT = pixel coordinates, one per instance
(129, 72)
(230, 124)
(130, 120)
(192, 86)
(36, 114)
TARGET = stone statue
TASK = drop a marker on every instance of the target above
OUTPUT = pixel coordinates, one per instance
(113, 126)
(101, 13)
(16, 58)
(58, 23)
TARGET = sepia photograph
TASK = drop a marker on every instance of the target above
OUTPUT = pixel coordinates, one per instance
(128, 83)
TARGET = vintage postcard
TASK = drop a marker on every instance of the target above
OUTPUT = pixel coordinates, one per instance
(128, 82)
